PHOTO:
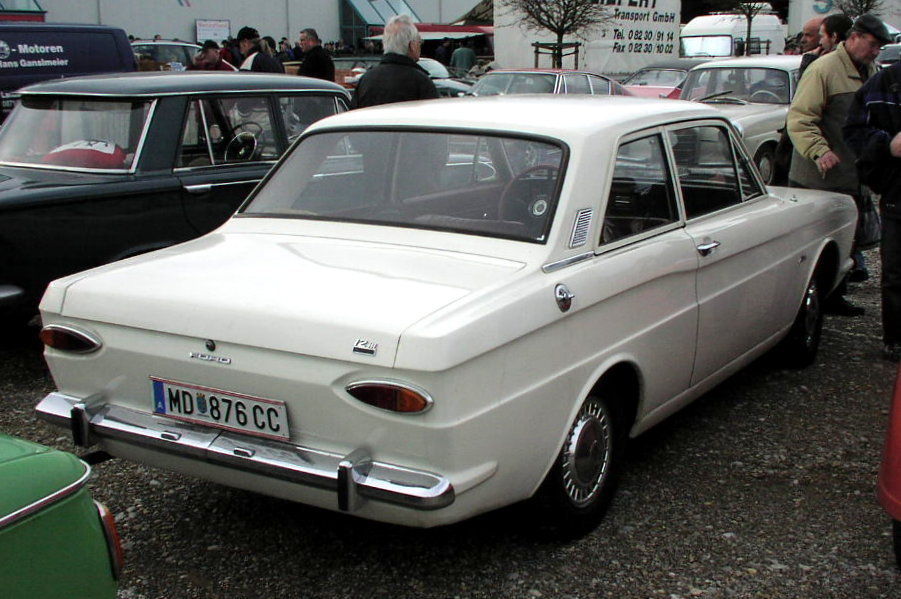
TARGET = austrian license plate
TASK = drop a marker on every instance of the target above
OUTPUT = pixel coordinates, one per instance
(222, 409)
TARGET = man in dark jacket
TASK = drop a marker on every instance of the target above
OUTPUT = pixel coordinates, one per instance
(317, 62)
(260, 62)
(873, 131)
(397, 77)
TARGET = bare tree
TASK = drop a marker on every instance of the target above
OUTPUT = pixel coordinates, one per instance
(563, 18)
(854, 8)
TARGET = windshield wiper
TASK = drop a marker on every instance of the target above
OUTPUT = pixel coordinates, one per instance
(713, 95)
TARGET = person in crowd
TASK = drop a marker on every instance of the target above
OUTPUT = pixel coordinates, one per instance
(443, 52)
(397, 77)
(285, 51)
(157, 37)
(317, 62)
(821, 158)
(873, 131)
(464, 57)
(810, 41)
(210, 59)
(833, 29)
(255, 59)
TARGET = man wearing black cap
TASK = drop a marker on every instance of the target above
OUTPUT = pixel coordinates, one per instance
(209, 59)
(873, 130)
(261, 62)
(821, 158)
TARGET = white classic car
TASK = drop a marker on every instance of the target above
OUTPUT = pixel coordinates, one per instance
(755, 92)
(431, 310)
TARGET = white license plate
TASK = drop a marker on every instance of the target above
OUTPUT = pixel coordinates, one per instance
(222, 409)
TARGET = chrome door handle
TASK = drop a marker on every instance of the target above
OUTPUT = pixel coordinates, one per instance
(705, 249)
(198, 189)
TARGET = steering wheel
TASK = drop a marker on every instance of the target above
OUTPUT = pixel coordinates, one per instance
(765, 95)
(243, 144)
(527, 197)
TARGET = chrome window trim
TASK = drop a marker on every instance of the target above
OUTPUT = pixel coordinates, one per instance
(46, 501)
(561, 264)
(223, 166)
(189, 94)
(206, 129)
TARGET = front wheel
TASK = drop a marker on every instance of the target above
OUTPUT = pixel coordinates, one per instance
(799, 348)
(578, 488)
(765, 159)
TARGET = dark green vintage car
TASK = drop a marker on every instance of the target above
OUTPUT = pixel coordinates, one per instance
(55, 541)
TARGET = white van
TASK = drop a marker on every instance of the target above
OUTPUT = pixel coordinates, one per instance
(724, 35)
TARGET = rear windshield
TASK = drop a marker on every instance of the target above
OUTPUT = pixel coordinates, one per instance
(467, 183)
(74, 134)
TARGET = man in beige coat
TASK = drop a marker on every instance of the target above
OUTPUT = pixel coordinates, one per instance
(821, 158)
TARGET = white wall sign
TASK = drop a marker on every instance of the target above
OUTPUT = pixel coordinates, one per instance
(212, 29)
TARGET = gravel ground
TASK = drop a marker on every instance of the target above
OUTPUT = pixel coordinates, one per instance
(764, 487)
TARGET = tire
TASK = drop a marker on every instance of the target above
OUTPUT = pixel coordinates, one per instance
(765, 159)
(896, 541)
(578, 488)
(800, 346)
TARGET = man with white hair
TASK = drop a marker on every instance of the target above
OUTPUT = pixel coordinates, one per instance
(397, 77)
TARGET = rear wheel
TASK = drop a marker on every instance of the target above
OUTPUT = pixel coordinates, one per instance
(578, 489)
(799, 348)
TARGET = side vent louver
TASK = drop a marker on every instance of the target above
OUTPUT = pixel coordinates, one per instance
(581, 227)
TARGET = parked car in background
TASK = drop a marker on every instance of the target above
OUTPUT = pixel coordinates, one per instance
(34, 52)
(662, 79)
(890, 471)
(889, 55)
(448, 87)
(545, 81)
(755, 92)
(164, 55)
(55, 541)
(101, 168)
(433, 309)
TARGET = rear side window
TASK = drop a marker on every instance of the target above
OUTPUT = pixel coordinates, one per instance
(641, 196)
(706, 169)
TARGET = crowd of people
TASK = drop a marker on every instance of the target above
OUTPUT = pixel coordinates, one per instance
(844, 123)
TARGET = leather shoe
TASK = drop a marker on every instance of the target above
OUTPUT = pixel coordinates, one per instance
(858, 275)
(839, 306)
(892, 352)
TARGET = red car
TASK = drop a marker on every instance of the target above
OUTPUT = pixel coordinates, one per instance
(662, 79)
(890, 473)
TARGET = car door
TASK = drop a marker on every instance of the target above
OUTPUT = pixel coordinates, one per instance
(646, 272)
(742, 238)
(229, 143)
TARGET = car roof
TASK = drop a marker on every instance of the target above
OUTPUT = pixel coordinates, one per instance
(167, 83)
(675, 64)
(574, 116)
(778, 61)
(543, 71)
(163, 43)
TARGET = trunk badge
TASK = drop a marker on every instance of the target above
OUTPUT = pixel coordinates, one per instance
(366, 347)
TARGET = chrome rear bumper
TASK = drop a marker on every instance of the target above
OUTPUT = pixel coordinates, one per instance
(354, 477)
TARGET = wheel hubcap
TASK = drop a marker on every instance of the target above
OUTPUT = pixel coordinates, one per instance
(586, 454)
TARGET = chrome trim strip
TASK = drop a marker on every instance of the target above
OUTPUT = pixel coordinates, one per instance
(362, 477)
(40, 504)
(203, 187)
(554, 266)
(194, 92)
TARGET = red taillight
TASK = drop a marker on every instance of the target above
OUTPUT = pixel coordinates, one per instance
(113, 542)
(69, 339)
(391, 396)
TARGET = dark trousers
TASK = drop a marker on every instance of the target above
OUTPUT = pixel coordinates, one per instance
(890, 249)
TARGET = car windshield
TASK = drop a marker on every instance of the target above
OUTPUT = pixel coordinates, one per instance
(742, 84)
(705, 45)
(493, 84)
(475, 184)
(74, 133)
(656, 77)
